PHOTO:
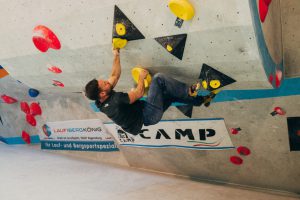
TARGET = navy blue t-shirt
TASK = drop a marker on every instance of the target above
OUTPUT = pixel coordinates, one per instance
(118, 109)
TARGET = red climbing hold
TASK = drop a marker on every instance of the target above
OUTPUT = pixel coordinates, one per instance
(25, 107)
(298, 132)
(243, 150)
(43, 39)
(35, 109)
(8, 99)
(278, 111)
(263, 10)
(26, 137)
(278, 78)
(235, 131)
(54, 69)
(271, 78)
(58, 83)
(236, 160)
(31, 120)
(267, 2)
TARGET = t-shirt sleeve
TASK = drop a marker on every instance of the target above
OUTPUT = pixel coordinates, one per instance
(123, 98)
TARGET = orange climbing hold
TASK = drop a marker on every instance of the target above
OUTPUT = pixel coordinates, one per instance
(43, 39)
(8, 99)
(26, 137)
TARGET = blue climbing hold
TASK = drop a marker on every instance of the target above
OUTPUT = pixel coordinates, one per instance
(33, 92)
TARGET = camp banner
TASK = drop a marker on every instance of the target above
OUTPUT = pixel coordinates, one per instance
(199, 134)
(77, 135)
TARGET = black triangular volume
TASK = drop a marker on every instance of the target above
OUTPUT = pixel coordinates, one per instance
(208, 74)
(187, 110)
(132, 33)
(177, 42)
(1, 120)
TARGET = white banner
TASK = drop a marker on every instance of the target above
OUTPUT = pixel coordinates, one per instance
(201, 134)
(78, 135)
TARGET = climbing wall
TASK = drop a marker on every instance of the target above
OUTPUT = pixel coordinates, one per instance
(57, 46)
(60, 51)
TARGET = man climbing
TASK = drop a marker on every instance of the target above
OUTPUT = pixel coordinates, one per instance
(126, 110)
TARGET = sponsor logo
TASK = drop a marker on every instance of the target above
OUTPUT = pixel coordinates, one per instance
(198, 138)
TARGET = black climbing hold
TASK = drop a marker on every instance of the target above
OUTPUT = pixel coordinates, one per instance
(132, 33)
(174, 44)
(209, 75)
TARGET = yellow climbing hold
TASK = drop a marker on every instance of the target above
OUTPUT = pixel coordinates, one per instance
(204, 84)
(120, 29)
(135, 72)
(214, 84)
(183, 9)
(169, 48)
(119, 43)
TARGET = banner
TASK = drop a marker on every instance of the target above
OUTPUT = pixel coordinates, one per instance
(77, 135)
(199, 134)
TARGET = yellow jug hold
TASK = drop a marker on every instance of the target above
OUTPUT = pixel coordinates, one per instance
(183, 9)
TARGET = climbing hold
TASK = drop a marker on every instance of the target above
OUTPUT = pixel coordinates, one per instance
(120, 29)
(204, 84)
(214, 78)
(35, 109)
(55, 69)
(242, 150)
(271, 78)
(278, 78)
(267, 2)
(263, 10)
(31, 120)
(129, 31)
(46, 130)
(58, 83)
(8, 99)
(183, 9)
(3, 72)
(26, 137)
(235, 131)
(119, 43)
(278, 110)
(25, 107)
(214, 84)
(33, 92)
(135, 72)
(236, 160)
(176, 42)
(43, 39)
(169, 48)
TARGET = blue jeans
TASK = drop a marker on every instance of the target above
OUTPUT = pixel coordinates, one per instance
(162, 93)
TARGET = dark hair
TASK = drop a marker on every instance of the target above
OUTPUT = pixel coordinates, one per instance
(92, 90)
